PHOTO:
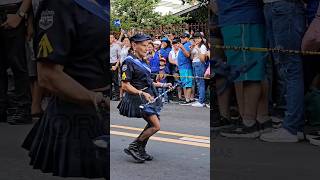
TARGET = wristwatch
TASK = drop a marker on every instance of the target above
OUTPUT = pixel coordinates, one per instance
(21, 14)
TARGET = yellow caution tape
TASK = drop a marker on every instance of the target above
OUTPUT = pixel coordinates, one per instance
(275, 50)
(177, 76)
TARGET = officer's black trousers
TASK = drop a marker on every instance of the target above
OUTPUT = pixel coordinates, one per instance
(12, 55)
(115, 93)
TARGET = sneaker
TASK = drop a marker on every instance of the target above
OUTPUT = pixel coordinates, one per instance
(315, 141)
(185, 103)
(279, 135)
(17, 116)
(265, 127)
(198, 104)
(312, 135)
(221, 124)
(181, 100)
(208, 106)
(276, 124)
(241, 131)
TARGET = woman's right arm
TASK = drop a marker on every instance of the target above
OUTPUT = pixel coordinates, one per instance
(52, 77)
(126, 86)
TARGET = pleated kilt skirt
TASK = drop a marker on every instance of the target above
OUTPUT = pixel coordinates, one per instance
(61, 142)
(129, 106)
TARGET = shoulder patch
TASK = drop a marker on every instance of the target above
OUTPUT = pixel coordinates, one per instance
(46, 19)
(124, 67)
(45, 47)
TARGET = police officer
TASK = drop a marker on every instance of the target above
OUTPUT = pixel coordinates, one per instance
(65, 141)
(139, 89)
(13, 14)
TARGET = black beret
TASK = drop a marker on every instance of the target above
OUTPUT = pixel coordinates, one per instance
(140, 38)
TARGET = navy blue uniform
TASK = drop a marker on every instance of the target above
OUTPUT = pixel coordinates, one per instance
(61, 142)
(140, 78)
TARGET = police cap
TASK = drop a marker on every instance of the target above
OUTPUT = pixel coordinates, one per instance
(140, 38)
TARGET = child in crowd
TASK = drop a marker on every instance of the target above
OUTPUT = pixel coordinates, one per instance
(162, 77)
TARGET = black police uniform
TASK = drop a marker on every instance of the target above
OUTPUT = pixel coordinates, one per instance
(12, 55)
(140, 78)
(61, 142)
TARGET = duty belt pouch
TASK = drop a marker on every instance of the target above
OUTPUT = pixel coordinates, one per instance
(8, 9)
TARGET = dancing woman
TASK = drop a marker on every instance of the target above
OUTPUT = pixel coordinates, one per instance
(139, 89)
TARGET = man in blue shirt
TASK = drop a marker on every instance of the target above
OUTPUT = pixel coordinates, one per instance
(185, 67)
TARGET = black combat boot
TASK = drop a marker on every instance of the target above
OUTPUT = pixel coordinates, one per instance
(135, 150)
(145, 155)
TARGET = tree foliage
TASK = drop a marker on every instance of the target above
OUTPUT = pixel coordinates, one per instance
(140, 14)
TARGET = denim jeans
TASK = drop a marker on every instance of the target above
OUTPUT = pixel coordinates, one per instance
(165, 96)
(199, 69)
(286, 24)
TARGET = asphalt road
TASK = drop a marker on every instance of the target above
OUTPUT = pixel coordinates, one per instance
(252, 159)
(14, 160)
(181, 149)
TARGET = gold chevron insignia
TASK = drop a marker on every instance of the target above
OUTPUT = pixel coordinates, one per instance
(124, 76)
(45, 47)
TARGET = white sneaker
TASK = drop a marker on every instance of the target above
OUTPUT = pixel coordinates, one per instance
(279, 135)
(197, 104)
(315, 141)
(208, 105)
(313, 135)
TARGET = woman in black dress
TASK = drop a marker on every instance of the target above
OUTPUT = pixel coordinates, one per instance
(139, 89)
(71, 138)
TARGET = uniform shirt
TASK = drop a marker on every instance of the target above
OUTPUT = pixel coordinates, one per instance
(183, 61)
(232, 12)
(70, 35)
(5, 2)
(138, 76)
